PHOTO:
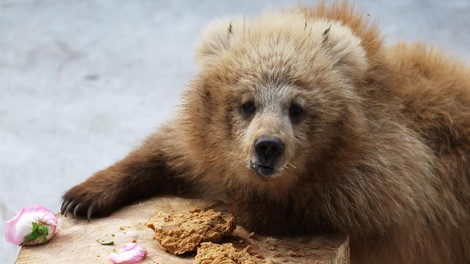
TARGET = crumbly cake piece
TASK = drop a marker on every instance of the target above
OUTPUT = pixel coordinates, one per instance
(184, 232)
(226, 253)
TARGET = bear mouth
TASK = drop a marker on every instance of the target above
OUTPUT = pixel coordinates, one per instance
(264, 171)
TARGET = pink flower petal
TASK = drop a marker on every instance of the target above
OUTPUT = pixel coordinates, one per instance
(130, 253)
(11, 233)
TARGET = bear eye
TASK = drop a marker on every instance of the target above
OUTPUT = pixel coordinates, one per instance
(249, 108)
(295, 112)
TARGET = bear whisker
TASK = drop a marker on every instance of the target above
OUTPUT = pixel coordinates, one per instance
(289, 165)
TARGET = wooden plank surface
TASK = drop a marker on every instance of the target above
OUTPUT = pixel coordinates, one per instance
(76, 240)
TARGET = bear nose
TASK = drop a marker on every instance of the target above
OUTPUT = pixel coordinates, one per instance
(268, 150)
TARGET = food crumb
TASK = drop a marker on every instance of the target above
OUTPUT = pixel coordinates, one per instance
(259, 256)
(272, 247)
(296, 254)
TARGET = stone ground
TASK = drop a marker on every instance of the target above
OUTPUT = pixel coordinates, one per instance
(83, 82)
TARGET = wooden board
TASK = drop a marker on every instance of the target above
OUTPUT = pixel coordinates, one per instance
(76, 240)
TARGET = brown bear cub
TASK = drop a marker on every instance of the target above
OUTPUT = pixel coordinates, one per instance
(306, 123)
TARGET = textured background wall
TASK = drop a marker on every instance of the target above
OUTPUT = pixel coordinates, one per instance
(83, 82)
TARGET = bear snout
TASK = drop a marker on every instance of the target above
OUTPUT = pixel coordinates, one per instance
(268, 150)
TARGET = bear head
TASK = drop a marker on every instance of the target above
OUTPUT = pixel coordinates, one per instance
(273, 97)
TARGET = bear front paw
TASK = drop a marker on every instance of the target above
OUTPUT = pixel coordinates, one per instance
(82, 202)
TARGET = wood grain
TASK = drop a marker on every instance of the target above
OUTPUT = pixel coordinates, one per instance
(76, 240)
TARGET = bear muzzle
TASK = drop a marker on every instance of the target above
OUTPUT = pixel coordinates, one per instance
(268, 151)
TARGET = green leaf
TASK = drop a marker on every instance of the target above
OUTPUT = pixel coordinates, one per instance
(38, 231)
(35, 226)
(110, 243)
(30, 237)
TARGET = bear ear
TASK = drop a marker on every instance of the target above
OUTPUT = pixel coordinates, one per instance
(345, 48)
(216, 37)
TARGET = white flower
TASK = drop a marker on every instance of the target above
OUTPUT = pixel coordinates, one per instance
(31, 226)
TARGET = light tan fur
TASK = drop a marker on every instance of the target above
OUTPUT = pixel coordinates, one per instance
(381, 151)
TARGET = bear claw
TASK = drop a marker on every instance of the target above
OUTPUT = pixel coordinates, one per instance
(77, 209)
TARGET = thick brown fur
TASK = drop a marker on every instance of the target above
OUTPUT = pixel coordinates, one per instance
(380, 151)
